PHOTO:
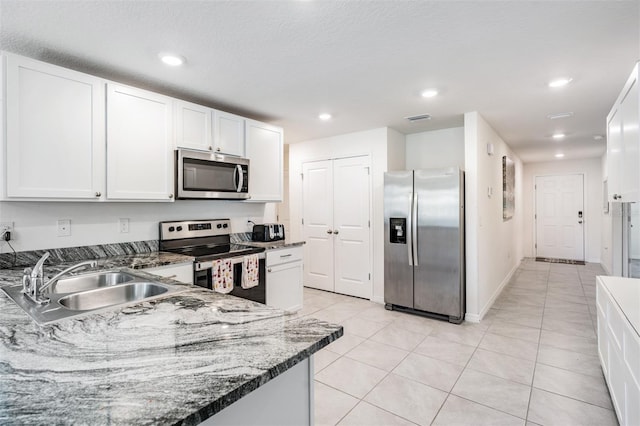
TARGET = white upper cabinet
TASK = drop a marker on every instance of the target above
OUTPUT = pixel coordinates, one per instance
(54, 131)
(139, 145)
(623, 143)
(228, 133)
(193, 126)
(264, 150)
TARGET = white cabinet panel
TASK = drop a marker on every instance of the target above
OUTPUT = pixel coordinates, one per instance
(55, 131)
(139, 145)
(264, 151)
(193, 126)
(228, 133)
(623, 143)
(182, 272)
(284, 286)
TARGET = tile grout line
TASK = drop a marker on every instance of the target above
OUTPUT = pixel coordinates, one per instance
(535, 363)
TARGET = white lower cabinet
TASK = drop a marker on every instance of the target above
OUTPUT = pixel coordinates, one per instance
(182, 272)
(618, 304)
(284, 278)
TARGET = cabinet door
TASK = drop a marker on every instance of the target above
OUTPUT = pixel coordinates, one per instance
(284, 286)
(55, 131)
(630, 114)
(228, 133)
(193, 126)
(139, 145)
(264, 151)
(614, 154)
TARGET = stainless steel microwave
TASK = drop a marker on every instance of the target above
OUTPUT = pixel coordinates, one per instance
(211, 176)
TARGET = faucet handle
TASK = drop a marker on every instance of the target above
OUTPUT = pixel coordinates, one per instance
(38, 269)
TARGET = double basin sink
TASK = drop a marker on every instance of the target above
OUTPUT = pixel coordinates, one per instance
(84, 293)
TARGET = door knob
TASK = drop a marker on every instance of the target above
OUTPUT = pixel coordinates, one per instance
(329, 231)
(335, 232)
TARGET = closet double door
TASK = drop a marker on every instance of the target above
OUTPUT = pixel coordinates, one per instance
(337, 225)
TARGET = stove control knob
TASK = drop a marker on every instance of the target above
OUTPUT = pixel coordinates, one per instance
(225, 225)
(171, 229)
(179, 228)
(219, 226)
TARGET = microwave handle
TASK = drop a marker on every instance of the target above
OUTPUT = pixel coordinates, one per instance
(238, 178)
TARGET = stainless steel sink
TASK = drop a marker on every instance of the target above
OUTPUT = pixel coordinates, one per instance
(93, 292)
(116, 295)
(91, 281)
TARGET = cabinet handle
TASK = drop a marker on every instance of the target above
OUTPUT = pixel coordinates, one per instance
(336, 232)
(98, 194)
(210, 148)
(269, 270)
(329, 231)
(579, 221)
(285, 255)
(218, 149)
(170, 196)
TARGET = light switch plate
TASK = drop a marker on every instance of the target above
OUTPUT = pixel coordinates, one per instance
(123, 225)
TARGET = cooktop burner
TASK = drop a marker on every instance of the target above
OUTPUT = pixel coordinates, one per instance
(203, 239)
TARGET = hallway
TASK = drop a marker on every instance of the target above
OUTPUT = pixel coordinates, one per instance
(532, 360)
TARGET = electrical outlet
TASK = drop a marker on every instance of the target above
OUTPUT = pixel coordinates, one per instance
(64, 227)
(123, 225)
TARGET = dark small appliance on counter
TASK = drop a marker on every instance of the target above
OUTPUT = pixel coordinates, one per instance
(268, 232)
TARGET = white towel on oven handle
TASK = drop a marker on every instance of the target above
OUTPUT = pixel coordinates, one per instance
(222, 275)
(250, 271)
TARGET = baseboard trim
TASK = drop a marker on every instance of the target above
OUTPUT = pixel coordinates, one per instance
(478, 317)
(378, 300)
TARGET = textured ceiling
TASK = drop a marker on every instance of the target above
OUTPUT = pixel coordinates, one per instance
(365, 62)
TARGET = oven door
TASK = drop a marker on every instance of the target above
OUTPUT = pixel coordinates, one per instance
(211, 176)
(203, 278)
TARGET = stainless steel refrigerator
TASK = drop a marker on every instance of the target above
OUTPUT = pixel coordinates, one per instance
(424, 242)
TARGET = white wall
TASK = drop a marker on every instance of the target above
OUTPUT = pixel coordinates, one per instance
(437, 148)
(606, 227)
(97, 223)
(592, 170)
(493, 246)
(370, 142)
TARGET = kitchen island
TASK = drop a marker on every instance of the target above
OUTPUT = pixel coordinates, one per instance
(182, 359)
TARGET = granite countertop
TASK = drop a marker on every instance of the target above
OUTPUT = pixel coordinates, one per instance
(178, 359)
(273, 244)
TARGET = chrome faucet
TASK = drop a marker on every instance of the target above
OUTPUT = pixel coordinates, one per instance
(33, 285)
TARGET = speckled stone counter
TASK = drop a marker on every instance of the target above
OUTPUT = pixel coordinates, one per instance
(272, 245)
(178, 359)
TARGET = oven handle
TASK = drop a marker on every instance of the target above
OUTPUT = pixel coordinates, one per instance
(200, 266)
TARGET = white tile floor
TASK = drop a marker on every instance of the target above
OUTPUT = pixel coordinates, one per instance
(532, 360)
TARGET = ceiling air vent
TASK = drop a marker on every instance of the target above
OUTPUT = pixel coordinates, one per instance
(420, 117)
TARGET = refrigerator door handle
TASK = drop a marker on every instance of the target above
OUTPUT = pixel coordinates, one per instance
(409, 230)
(414, 229)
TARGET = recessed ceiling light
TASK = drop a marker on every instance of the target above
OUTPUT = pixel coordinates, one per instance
(171, 59)
(558, 136)
(560, 115)
(560, 82)
(429, 93)
(559, 155)
(324, 116)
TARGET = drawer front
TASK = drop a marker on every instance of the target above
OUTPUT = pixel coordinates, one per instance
(602, 299)
(285, 255)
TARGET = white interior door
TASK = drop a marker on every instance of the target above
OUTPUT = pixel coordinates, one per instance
(351, 226)
(560, 216)
(317, 211)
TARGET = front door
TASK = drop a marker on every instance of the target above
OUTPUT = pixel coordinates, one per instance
(560, 216)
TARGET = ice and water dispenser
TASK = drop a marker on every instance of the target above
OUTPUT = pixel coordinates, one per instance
(398, 230)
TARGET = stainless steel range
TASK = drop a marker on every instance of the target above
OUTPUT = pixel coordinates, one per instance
(206, 241)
